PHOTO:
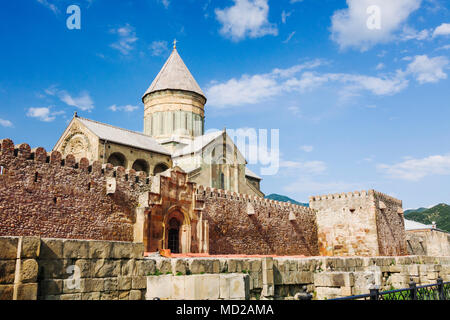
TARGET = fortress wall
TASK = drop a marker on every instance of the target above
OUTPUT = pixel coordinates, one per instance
(347, 224)
(390, 225)
(428, 242)
(43, 194)
(243, 224)
(60, 269)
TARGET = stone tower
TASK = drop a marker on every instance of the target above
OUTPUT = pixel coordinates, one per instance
(174, 104)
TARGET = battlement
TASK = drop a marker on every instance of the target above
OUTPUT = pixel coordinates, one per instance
(387, 198)
(344, 195)
(23, 152)
(208, 192)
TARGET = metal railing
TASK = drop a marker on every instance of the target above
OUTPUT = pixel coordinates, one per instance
(436, 291)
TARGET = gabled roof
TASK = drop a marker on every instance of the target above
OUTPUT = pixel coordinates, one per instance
(123, 136)
(175, 75)
(197, 144)
(251, 174)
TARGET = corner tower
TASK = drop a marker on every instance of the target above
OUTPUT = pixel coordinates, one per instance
(174, 104)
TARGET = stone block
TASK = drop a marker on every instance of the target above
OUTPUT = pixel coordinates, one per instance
(137, 251)
(240, 287)
(109, 295)
(159, 287)
(75, 249)
(54, 269)
(139, 282)
(7, 271)
(72, 285)
(51, 249)
(178, 288)
(121, 250)
(124, 295)
(268, 290)
(90, 296)
(216, 266)
(129, 268)
(111, 284)
(6, 291)
(70, 297)
(303, 277)
(27, 291)
(104, 268)
(100, 249)
(255, 265)
(8, 248)
(164, 265)
(333, 279)
(325, 293)
(50, 287)
(93, 285)
(30, 247)
(29, 271)
(124, 283)
(207, 287)
(268, 277)
(136, 295)
(197, 266)
(179, 265)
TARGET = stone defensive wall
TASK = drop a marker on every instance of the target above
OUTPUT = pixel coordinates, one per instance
(244, 224)
(43, 194)
(33, 268)
(366, 223)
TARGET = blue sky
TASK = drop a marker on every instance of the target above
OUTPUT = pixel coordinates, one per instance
(357, 107)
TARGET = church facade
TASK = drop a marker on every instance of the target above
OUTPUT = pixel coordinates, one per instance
(174, 136)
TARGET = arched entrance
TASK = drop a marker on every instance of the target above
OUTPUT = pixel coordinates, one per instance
(117, 160)
(177, 231)
(174, 236)
(160, 168)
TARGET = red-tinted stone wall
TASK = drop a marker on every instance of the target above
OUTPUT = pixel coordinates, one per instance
(275, 228)
(42, 194)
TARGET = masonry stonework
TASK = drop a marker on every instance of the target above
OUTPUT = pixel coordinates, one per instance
(242, 224)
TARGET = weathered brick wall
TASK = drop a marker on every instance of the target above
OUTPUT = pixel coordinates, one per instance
(242, 224)
(366, 223)
(390, 225)
(42, 194)
(347, 224)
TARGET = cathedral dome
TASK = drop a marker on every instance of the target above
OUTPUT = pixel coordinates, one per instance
(174, 75)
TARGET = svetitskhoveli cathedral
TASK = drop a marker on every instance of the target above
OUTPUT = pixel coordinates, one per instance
(174, 136)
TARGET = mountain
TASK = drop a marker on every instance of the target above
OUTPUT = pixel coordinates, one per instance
(278, 197)
(415, 210)
(440, 214)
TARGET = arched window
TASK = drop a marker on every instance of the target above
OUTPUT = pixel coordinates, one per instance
(160, 168)
(140, 165)
(117, 159)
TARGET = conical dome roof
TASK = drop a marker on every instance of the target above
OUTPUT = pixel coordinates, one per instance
(176, 76)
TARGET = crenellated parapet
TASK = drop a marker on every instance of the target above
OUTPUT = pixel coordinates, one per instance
(10, 153)
(213, 193)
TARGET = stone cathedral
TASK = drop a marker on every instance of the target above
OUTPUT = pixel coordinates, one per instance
(174, 136)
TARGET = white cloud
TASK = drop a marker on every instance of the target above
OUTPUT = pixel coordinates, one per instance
(427, 69)
(127, 108)
(289, 37)
(6, 123)
(349, 26)
(127, 38)
(412, 34)
(307, 148)
(442, 30)
(43, 114)
(82, 102)
(159, 48)
(49, 5)
(252, 89)
(246, 18)
(380, 66)
(417, 169)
